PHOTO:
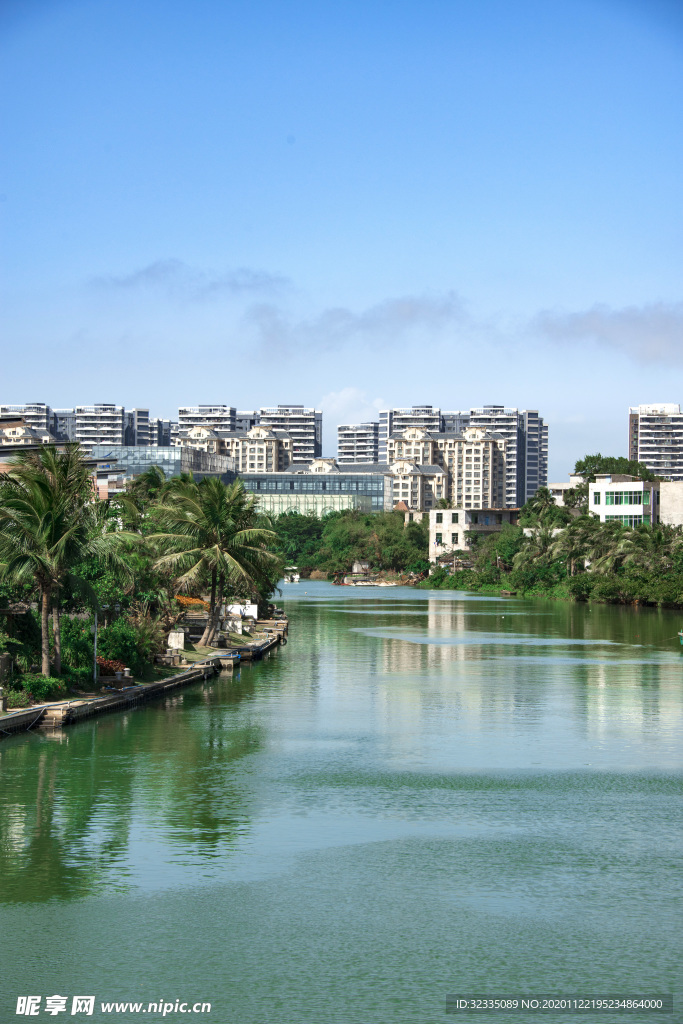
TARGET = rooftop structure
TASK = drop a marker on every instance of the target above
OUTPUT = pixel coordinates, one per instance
(219, 417)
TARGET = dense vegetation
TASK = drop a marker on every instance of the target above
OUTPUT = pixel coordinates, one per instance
(574, 557)
(333, 543)
(64, 555)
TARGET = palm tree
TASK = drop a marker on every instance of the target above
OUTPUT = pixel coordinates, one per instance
(49, 522)
(538, 547)
(210, 531)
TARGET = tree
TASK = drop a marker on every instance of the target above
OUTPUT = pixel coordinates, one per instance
(50, 521)
(590, 465)
(208, 534)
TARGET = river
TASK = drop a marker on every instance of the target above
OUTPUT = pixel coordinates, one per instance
(422, 793)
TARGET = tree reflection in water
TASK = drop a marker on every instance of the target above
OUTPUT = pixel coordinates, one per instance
(72, 803)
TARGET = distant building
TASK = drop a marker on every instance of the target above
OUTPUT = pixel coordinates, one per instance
(65, 424)
(526, 435)
(160, 432)
(559, 490)
(617, 497)
(473, 463)
(218, 417)
(392, 421)
(258, 450)
(246, 420)
(305, 426)
(456, 530)
(140, 425)
(357, 442)
(117, 465)
(36, 415)
(101, 424)
(322, 486)
(655, 437)
(14, 434)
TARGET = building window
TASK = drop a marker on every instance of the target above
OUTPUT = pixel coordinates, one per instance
(454, 517)
(454, 539)
(596, 497)
(439, 517)
(439, 538)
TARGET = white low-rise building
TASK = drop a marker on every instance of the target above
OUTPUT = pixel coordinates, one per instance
(453, 530)
(617, 497)
(558, 490)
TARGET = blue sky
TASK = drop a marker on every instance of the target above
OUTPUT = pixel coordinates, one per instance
(349, 205)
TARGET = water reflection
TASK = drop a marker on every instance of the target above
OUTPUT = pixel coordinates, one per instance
(72, 804)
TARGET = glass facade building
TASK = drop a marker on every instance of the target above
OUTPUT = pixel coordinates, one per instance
(131, 460)
(332, 491)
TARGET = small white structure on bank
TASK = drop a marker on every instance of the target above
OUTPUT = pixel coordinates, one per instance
(617, 497)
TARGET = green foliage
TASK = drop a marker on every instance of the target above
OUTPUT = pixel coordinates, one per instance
(586, 560)
(590, 465)
(299, 537)
(41, 688)
(339, 539)
(119, 642)
(77, 642)
(542, 509)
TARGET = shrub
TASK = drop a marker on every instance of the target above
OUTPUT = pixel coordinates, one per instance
(16, 698)
(109, 666)
(41, 688)
(118, 642)
(77, 642)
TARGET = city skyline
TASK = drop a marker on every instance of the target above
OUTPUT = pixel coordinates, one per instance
(381, 204)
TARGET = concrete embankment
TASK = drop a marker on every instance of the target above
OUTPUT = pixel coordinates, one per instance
(58, 714)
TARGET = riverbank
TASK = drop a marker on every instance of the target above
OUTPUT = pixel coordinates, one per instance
(202, 664)
(662, 590)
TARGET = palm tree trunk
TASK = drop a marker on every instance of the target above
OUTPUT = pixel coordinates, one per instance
(45, 630)
(217, 611)
(57, 634)
(206, 635)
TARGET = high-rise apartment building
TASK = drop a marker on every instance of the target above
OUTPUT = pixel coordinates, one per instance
(139, 427)
(455, 422)
(304, 425)
(36, 415)
(101, 424)
(526, 453)
(65, 424)
(523, 430)
(393, 421)
(246, 420)
(655, 437)
(357, 442)
(218, 417)
(160, 432)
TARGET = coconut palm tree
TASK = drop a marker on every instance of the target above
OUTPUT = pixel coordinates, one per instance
(209, 533)
(50, 522)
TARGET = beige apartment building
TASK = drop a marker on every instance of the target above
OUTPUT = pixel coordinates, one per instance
(472, 462)
(418, 486)
(259, 450)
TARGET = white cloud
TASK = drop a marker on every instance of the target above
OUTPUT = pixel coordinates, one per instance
(351, 405)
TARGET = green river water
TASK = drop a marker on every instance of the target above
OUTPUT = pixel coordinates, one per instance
(422, 793)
